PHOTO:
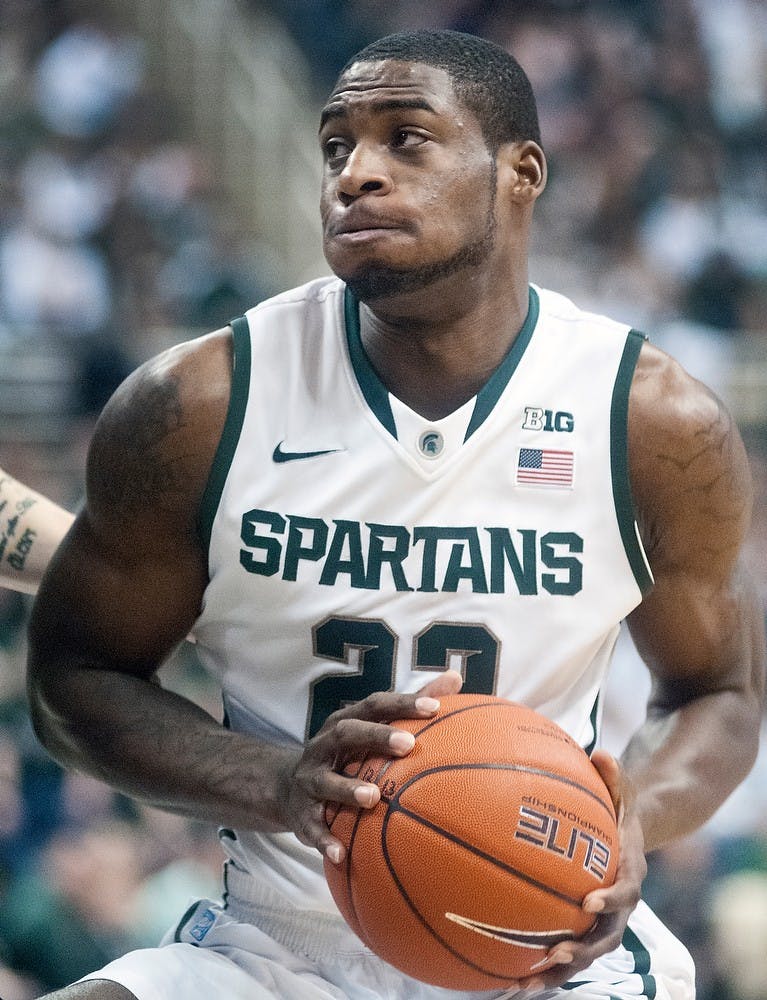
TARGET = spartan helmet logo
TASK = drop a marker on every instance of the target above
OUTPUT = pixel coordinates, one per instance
(430, 444)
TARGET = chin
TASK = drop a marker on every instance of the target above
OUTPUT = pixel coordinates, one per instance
(373, 283)
(378, 278)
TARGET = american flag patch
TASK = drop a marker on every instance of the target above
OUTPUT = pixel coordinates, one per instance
(545, 467)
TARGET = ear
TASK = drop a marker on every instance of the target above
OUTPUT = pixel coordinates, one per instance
(522, 170)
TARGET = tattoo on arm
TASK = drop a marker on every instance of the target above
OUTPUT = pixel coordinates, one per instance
(140, 468)
(714, 482)
(16, 539)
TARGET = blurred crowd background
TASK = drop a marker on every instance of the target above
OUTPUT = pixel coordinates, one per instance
(158, 175)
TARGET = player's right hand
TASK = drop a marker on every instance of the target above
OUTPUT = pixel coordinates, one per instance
(352, 733)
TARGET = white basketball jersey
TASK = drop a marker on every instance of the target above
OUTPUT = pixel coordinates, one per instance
(356, 546)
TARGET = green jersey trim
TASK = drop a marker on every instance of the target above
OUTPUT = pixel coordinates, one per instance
(642, 968)
(377, 395)
(642, 963)
(230, 435)
(491, 391)
(375, 392)
(593, 719)
(619, 464)
(184, 921)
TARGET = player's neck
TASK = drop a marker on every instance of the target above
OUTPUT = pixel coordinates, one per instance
(438, 353)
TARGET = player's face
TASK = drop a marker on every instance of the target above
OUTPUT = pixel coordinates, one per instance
(408, 190)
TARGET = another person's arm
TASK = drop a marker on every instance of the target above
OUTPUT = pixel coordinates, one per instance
(31, 527)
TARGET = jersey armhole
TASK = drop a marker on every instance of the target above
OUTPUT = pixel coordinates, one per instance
(619, 464)
(230, 435)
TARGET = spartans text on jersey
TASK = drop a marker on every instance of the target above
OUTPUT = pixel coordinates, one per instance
(425, 558)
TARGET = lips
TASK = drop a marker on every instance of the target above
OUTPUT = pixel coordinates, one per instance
(361, 230)
(350, 225)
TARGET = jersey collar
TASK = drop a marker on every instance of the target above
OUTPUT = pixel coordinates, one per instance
(377, 395)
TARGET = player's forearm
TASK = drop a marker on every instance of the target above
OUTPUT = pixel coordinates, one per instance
(156, 746)
(684, 763)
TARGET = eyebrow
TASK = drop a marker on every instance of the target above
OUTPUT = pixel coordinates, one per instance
(339, 110)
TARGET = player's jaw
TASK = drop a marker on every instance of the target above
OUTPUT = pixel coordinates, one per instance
(375, 280)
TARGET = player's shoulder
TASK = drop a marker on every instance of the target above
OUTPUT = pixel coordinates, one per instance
(195, 373)
(662, 392)
(154, 441)
(316, 293)
(666, 398)
(557, 307)
(685, 449)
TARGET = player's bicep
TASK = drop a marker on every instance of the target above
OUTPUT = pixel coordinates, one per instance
(128, 582)
(112, 612)
(696, 635)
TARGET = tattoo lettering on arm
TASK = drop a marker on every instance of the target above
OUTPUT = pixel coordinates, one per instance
(16, 538)
(18, 557)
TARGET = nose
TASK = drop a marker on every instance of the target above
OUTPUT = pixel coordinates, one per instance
(365, 171)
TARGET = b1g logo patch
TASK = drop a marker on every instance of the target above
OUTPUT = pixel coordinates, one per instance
(539, 419)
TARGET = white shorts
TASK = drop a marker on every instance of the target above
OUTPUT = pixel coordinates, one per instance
(241, 952)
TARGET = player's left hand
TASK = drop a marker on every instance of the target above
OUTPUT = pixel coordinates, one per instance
(612, 906)
(317, 776)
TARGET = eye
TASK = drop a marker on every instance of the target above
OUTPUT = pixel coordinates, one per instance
(335, 150)
(407, 137)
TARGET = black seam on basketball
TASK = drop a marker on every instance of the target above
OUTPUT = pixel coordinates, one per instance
(464, 959)
(348, 868)
(350, 847)
(464, 708)
(526, 768)
(505, 705)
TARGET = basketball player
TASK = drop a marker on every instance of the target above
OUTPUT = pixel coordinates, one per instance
(425, 461)
(31, 526)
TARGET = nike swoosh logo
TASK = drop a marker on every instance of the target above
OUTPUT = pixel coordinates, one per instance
(524, 939)
(278, 455)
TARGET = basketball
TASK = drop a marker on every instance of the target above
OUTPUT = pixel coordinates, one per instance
(487, 837)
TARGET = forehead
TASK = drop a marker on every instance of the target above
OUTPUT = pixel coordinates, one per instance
(384, 85)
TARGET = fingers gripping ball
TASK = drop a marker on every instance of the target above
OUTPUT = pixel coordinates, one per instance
(487, 837)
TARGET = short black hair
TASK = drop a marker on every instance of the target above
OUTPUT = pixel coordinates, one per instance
(486, 78)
